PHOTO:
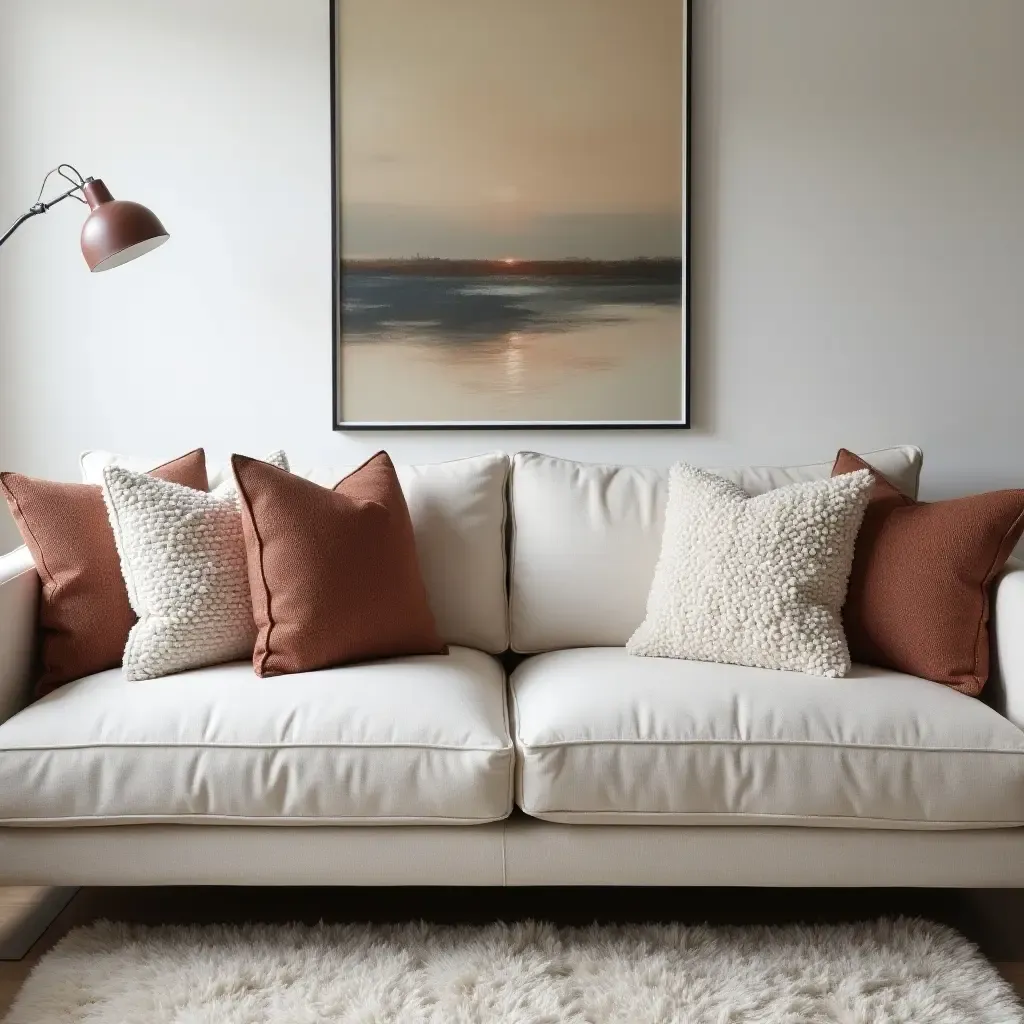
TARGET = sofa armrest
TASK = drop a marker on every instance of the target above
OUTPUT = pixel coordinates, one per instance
(19, 601)
(1006, 680)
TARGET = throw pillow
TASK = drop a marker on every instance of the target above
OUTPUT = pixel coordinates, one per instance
(183, 560)
(754, 580)
(333, 573)
(84, 614)
(918, 599)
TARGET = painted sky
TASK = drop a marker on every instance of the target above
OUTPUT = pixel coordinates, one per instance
(535, 129)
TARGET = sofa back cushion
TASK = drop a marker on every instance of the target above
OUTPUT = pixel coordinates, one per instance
(458, 517)
(585, 541)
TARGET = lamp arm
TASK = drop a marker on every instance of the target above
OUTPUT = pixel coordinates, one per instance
(35, 210)
(17, 224)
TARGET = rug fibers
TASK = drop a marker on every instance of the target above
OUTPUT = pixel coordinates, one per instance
(906, 971)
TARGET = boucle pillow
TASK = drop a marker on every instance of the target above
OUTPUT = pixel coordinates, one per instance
(183, 560)
(754, 580)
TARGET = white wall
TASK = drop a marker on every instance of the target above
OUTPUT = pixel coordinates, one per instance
(858, 242)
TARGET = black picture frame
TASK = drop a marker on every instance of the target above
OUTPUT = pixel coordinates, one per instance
(340, 424)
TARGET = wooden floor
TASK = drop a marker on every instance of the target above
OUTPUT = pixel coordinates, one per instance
(994, 919)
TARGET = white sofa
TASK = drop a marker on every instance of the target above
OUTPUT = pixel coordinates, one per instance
(582, 766)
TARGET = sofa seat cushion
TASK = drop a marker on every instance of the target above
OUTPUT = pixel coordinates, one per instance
(607, 738)
(411, 740)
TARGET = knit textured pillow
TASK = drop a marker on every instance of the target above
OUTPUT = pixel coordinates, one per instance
(183, 560)
(754, 581)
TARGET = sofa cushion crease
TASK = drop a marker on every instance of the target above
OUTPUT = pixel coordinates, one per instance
(714, 819)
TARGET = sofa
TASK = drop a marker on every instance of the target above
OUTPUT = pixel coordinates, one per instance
(536, 752)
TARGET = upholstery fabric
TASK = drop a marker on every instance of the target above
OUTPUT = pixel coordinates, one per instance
(918, 599)
(546, 853)
(19, 603)
(458, 514)
(754, 580)
(516, 851)
(278, 855)
(84, 613)
(333, 574)
(602, 737)
(404, 741)
(1005, 688)
(183, 559)
(586, 537)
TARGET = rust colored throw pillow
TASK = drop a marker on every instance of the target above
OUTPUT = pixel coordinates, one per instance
(333, 573)
(918, 599)
(84, 614)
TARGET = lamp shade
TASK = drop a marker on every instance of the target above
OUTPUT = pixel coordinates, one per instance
(117, 230)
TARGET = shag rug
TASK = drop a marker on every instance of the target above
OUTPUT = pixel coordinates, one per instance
(906, 971)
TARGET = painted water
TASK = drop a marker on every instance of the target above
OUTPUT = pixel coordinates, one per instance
(507, 341)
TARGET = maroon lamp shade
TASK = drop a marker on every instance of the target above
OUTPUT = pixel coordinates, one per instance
(117, 230)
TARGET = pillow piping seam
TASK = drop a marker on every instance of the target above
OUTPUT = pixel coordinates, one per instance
(263, 576)
(50, 587)
(49, 575)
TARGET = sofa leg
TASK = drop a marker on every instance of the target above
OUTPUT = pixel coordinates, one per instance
(25, 913)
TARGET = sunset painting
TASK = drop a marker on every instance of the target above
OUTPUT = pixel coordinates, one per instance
(511, 212)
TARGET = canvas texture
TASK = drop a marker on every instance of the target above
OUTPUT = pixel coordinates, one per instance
(84, 612)
(755, 581)
(919, 598)
(333, 572)
(182, 557)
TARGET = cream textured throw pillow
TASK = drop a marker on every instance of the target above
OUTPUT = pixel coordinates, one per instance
(754, 580)
(183, 561)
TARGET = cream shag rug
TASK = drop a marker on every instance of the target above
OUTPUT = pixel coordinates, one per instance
(908, 971)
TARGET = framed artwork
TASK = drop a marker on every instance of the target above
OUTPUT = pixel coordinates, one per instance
(510, 213)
